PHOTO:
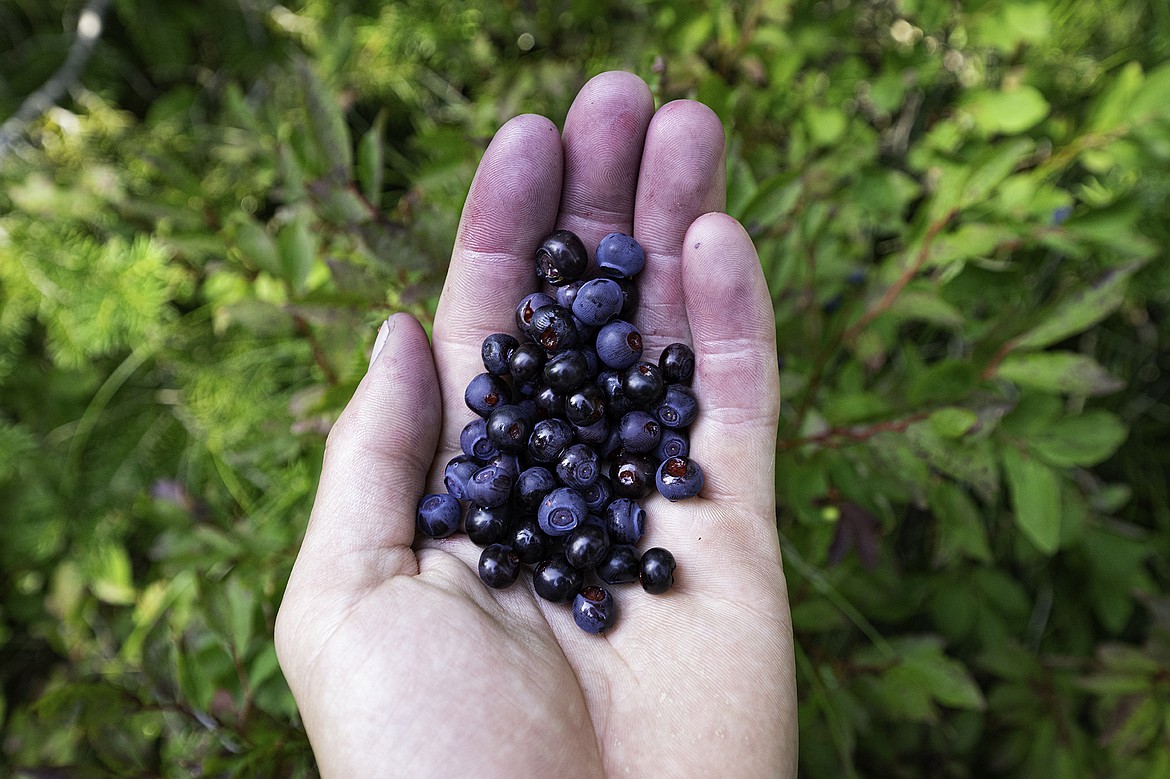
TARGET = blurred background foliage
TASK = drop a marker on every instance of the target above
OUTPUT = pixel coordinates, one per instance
(961, 209)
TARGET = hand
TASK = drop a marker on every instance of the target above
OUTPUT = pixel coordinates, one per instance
(402, 662)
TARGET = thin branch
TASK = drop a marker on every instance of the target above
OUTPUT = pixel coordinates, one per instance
(853, 435)
(89, 30)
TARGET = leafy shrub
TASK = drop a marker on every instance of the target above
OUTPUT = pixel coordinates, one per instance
(961, 215)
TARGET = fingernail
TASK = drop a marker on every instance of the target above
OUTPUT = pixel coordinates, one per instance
(380, 341)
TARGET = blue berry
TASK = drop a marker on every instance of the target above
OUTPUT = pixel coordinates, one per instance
(632, 476)
(553, 328)
(616, 402)
(532, 485)
(561, 511)
(586, 545)
(527, 309)
(557, 581)
(598, 495)
(497, 351)
(585, 405)
(490, 486)
(438, 515)
(619, 344)
(594, 609)
(640, 432)
(498, 566)
(599, 301)
(487, 525)
(657, 572)
(578, 466)
(561, 258)
(625, 520)
(594, 434)
(619, 566)
(679, 478)
(567, 294)
(549, 439)
(620, 255)
(457, 473)
(508, 428)
(550, 403)
(674, 443)
(529, 542)
(566, 371)
(474, 440)
(678, 407)
(643, 384)
(527, 362)
(508, 463)
(485, 393)
(611, 447)
(677, 363)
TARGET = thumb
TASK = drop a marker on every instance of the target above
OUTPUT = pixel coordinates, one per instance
(376, 461)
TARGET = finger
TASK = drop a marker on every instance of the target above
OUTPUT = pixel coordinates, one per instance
(682, 177)
(604, 133)
(512, 205)
(376, 459)
(733, 328)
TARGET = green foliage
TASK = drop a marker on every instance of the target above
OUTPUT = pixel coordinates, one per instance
(960, 211)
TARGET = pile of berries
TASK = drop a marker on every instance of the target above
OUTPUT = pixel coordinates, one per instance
(581, 398)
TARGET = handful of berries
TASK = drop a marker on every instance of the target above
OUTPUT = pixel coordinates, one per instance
(581, 403)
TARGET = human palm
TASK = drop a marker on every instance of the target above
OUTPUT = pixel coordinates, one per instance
(402, 662)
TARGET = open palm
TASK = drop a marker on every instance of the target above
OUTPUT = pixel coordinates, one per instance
(402, 662)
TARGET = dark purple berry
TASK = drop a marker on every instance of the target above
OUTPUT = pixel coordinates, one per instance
(616, 402)
(566, 371)
(550, 403)
(568, 293)
(529, 542)
(549, 439)
(561, 258)
(631, 297)
(632, 476)
(625, 520)
(527, 309)
(657, 572)
(508, 428)
(640, 432)
(457, 473)
(619, 255)
(497, 351)
(439, 515)
(674, 443)
(498, 566)
(678, 407)
(594, 609)
(553, 329)
(474, 440)
(619, 566)
(508, 463)
(485, 393)
(489, 486)
(643, 384)
(586, 545)
(679, 478)
(527, 362)
(561, 511)
(594, 434)
(585, 405)
(598, 495)
(486, 525)
(599, 301)
(677, 363)
(532, 485)
(619, 344)
(557, 581)
(578, 467)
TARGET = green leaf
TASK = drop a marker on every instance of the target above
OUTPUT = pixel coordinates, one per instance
(1083, 309)
(922, 306)
(969, 241)
(1152, 99)
(371, 161)
(1112, 107)
(254, 244)
(1009, 112)
(990, 171)
(1085, 439)
(1035, 494)
(298, 249)
(1067, 372)
(960, 526)
(326, 125)
(970, 462)
(953, 422)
